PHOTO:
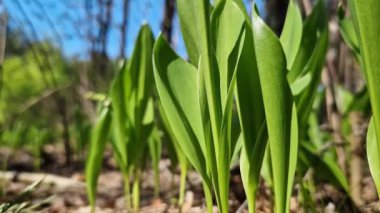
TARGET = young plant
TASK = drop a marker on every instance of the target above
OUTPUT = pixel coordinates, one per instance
(131, 115)
(267, 113)
(304, 46)
(197, 97)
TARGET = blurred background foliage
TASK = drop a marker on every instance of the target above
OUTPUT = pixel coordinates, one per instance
(60, 58)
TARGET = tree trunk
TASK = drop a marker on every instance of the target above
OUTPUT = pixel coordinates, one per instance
(167, 22)
(275, 14)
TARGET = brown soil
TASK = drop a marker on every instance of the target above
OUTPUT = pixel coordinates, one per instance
(68, 187)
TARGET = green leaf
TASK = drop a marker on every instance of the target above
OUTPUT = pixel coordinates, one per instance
(278, 103)
(165, 60)
(119, 115)
(195, 17)
(138, 79)
(310, 59)
(347, 30)
(300, 84)
(327, 167)
(373, 155)
(365, 15)
(226, 23)
(224, 148)
(250, 166)
(292, 32)
(99, 138)
(313, 154)
(314, 28)
(191, 18)
(132, 107)
(252, 116)
(154, 144)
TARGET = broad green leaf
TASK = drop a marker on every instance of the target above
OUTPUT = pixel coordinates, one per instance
(249, 96)
(163, 58)
(99, 138)
(226, 23)
(373, 155)
(367, 27)
(277, 98)
(192, 17)
(226, 31)
(252, 116)
(195, 16)
(182, 79)
(292, 32)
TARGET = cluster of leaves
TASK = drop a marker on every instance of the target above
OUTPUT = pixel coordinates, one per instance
(274, 79)
(273, 130)
(127, 120)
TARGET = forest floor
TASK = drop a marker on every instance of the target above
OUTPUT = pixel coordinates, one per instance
(64, 185)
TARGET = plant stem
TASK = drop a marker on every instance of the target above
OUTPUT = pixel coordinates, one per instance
(127, 192)
(156, 175)
(182, 184)
(251, 198)
(208, 197)
(136, 190)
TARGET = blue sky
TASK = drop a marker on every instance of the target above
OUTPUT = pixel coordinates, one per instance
(69, 18)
